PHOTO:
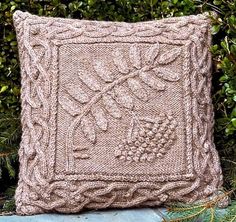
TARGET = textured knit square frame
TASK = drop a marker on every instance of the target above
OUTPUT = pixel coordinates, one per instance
(114, 114)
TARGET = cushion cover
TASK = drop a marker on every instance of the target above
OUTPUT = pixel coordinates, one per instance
(114, 114)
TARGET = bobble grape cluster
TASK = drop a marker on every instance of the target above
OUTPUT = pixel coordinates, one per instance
(150, 140)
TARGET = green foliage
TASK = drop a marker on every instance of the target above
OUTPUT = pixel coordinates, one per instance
(10, 132)
(223, 51)
(230, 216)
(204, 212)
(9, 204)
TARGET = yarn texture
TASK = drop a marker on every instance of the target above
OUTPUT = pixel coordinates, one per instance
(114, 114)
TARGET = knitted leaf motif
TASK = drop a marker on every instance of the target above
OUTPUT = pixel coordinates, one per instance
(89, 80)
(123, 97)
(69, 105)
(151, 81)
(111, 106)
(151, 54)
(137, 89)
(103, 71)
(135, 56)
(113, 95)
(120, 61)
(166, 74)
(77, 93)
(100, 117)
(168, 57)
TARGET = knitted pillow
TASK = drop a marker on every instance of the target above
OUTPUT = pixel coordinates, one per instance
(114, 114)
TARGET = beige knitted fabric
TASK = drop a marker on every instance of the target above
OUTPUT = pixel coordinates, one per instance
(114, 114)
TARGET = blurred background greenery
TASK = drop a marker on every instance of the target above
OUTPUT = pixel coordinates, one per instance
(224, 69)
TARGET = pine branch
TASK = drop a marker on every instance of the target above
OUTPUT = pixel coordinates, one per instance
(10, 132)
(9, 202)
(188, 215)
(230, 216)
(206, 211)
(2, 155)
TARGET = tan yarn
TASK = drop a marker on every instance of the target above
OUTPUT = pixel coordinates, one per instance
(114, 114)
